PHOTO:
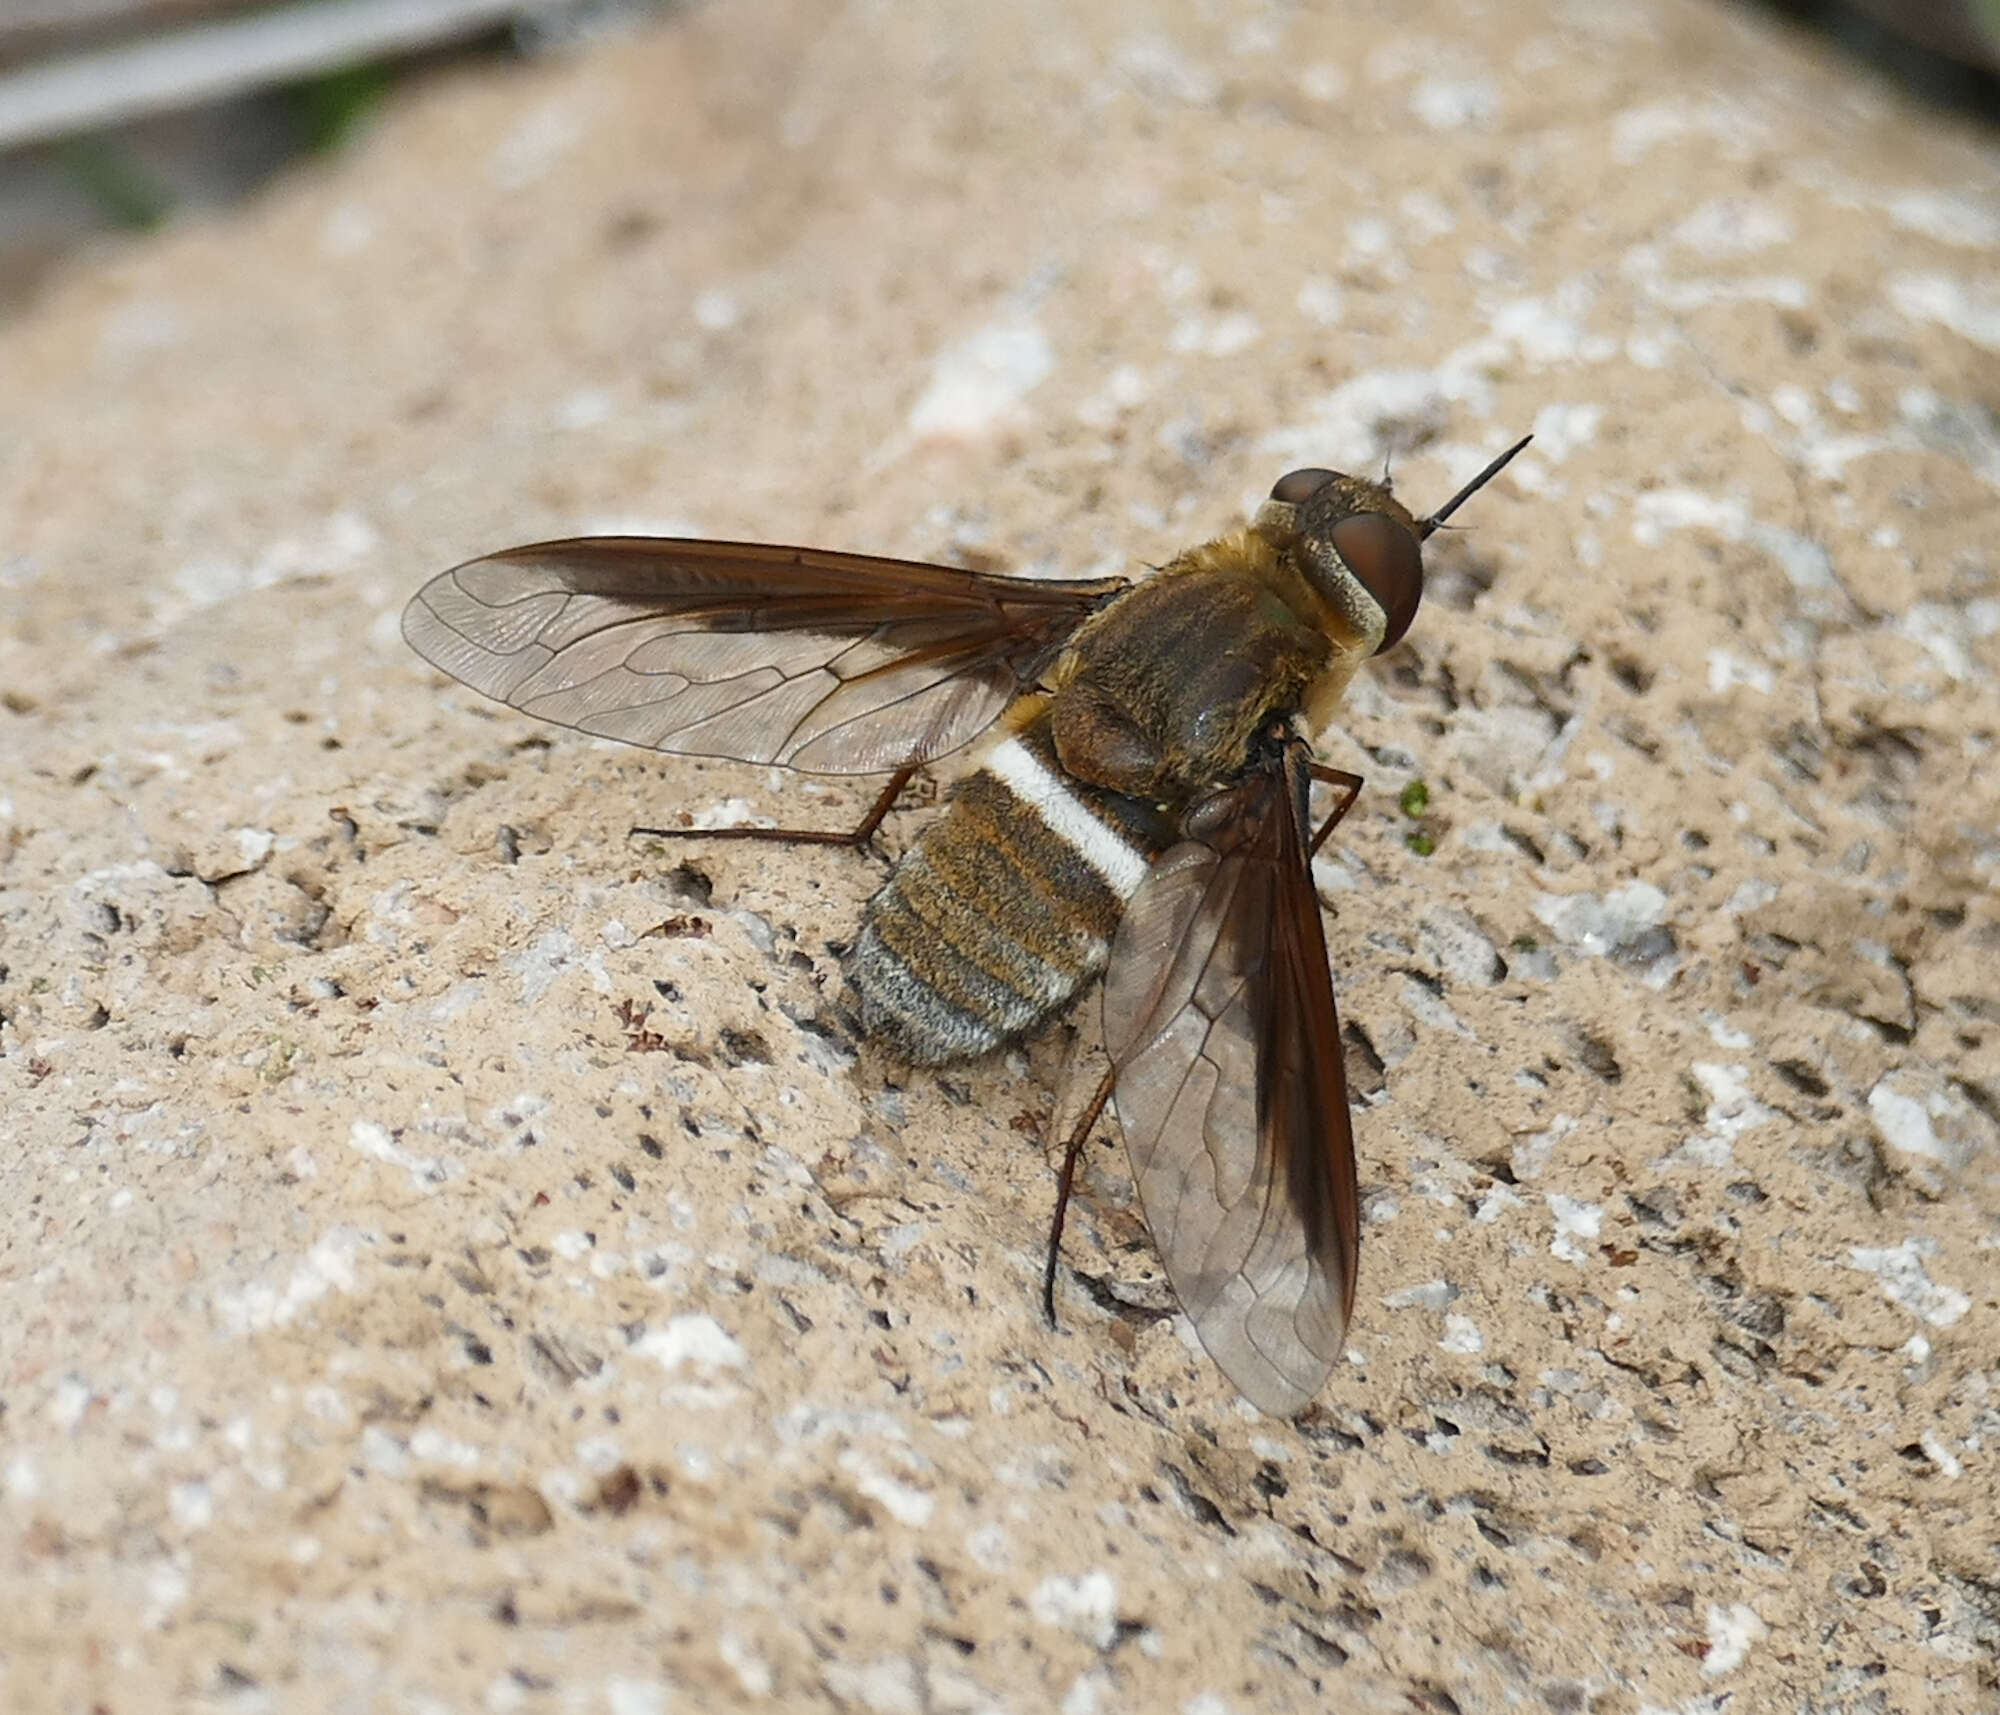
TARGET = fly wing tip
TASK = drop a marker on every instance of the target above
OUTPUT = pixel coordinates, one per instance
(1276, 1394)
(1279, 1384)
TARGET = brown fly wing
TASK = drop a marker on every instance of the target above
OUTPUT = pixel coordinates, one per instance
(1232, 1095)
(832, 663)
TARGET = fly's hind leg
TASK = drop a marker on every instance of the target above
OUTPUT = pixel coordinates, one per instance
(1073, 1149)
(855, 837)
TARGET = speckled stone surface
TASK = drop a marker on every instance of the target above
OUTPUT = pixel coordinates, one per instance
(452, 1256)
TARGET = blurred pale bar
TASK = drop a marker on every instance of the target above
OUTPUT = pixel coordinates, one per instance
(203, 62)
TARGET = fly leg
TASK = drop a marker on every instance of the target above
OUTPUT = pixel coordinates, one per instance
(1341, 780)
(855, 837)
(1077, 1139)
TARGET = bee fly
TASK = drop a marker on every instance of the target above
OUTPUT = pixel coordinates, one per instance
(1141, 811)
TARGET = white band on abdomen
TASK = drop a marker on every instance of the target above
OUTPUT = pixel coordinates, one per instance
(1023, 774)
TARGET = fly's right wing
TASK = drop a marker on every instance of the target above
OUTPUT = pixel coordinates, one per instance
(1231, 1091)
(828, 662)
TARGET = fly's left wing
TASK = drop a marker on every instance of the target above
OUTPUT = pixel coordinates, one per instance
(1232, 1094)
(832, 663)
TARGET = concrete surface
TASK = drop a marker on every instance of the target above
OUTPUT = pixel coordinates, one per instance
(452, 1257)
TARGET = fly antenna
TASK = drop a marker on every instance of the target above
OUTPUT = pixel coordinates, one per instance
(1426, 525)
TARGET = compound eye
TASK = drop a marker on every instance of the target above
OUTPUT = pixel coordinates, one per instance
(1385, 557)
(1296, 487)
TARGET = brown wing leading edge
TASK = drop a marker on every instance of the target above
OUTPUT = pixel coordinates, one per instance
(827, 662)
(1232, 1095)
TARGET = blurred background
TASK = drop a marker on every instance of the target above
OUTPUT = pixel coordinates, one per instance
(118, 115)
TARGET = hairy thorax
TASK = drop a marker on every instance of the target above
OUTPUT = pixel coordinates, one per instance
(1162, 694)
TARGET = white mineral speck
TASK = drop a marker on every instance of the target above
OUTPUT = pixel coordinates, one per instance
(253, 846)
(434, 1447)
(1427, 1008)
(1542, 331)
(426, 1172)
(1562, 428)
(691, 1338)
(68, 1403)
(1725, 670)
(1906, 1282)
(1461, 1334)
(1948, 633)
(1322, 81)
(1223, 336)
(1903, 1119)
(1940, 1455)
(347, 231)
(1969, 309)
(1948, 218)
(1085, 1695)
(555, 952)
(1125, 388)
(1577, 1224)
(716, 311)
(1321, 301)
(1725, 1035)
(1793, 403)
(328, 1267)
(1731, 226)
(166, 1590)
(1458, 946)
(1425, 215)
(1370, 238)
(1450, 104)
(1343, 428)
(981, 380)
(1086, 1606)
(1164, 72)
(583, 409)
(989, 1548)
(538, 140)
(730, 813)
(1600, 925)
(885, 1686)
(907, 1506)
(1530, 1156)
(1731, 1632)
(1432, 1295)
(1732, 1110)
(1748, 895)
(752, 1672)
(382, 1453)
(1662, 509)
(634, 1697)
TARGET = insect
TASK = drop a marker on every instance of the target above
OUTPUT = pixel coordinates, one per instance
(1140, 811)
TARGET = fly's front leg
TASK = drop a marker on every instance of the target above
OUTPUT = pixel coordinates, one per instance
(855, 837)
(1342, 781)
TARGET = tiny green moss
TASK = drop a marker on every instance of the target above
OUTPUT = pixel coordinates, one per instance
(1420, 842)
(112, 177)
(1416, 799)
(333, 106)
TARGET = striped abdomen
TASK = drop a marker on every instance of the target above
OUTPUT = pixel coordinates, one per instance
(1004, 908)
